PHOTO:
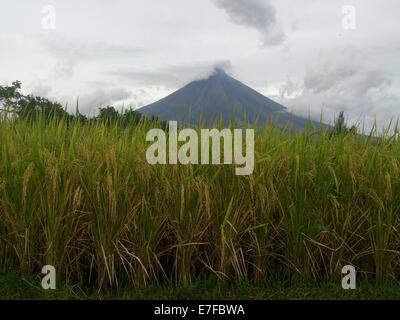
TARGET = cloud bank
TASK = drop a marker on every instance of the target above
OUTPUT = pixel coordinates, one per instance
(345, 81)
(257, 14)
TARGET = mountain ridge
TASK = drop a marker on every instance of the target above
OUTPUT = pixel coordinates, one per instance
(220, 96)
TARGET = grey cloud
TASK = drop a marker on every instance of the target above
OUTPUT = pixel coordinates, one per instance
(89, 103)
(346, 72)
(345, 81)
(257, 14)
(70, 52)
(62, 46)
(64, 68)
(289, 89)
(171, 76)
(146, 78)
(324, 75)
(41, 90)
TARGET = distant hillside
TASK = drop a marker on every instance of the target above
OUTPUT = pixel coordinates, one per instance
(221, 96)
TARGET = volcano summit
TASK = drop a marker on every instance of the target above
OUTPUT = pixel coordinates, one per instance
(222, 97)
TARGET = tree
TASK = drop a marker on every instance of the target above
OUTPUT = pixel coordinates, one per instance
(29, 106)
(341, 128)
(131, 117)
(108, 114)
(10, 96)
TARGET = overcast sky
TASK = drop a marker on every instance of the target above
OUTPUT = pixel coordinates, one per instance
(304, 54)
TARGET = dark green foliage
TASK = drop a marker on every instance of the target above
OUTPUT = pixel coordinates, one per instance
(30, 107)
(108, 114)
(10, 96)
(341, 128)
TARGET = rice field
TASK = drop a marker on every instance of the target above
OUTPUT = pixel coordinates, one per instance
(82, 197)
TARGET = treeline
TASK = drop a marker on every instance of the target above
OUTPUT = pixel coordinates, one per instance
(13, 104)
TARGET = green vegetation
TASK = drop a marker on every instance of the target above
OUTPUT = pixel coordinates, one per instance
(12, 286)
(81, 196)
(14, 104)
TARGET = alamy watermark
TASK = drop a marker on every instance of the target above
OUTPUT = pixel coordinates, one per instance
(49, 279)
(349, 279)
(349, 21)
(49, 17)
(167, 152)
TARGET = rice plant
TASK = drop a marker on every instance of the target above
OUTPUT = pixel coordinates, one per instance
(82, 197)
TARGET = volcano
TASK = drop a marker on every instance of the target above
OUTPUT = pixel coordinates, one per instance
(221, 97)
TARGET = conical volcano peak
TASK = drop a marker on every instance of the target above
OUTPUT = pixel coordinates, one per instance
(219, 72)
(219, 97)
